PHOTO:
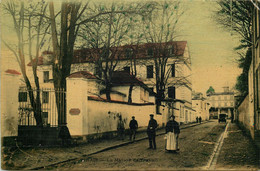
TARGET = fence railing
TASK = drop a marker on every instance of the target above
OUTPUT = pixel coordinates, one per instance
(49, 111)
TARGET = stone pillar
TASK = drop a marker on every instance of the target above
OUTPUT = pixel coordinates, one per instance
(76, 105)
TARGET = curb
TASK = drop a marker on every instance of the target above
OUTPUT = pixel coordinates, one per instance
(108, 148)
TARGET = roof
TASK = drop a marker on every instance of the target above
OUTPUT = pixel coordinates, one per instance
(112, 92)
(92, 55)
(123, 78)
(220, 93)
(13, 72)
(40, 60)
(82, 74)
(95, 98)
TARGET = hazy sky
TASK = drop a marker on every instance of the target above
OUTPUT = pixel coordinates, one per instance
(211, 47)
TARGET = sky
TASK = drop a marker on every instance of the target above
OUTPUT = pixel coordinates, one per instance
(210, 46)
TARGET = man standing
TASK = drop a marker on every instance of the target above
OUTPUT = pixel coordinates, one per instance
(120, 128)
(133, 125)
(152, 125)
(172, 130)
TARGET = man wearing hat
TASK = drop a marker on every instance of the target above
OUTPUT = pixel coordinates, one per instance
(152, 125)
(133, 125)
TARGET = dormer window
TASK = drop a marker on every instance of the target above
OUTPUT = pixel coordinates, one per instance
(170, 50)
(150, 52)
(128, 53)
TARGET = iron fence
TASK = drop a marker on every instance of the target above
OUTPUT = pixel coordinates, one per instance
(49, 111)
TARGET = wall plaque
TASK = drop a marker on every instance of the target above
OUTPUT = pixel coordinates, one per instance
(74, 111)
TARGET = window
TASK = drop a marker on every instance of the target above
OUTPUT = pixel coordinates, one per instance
(173, 70)
(170, 50)
(225, 97)
(232, 104)
(225, 104)
(45, 76)
(45, 97)
(171, 92)
(22, 96)
(149, 71)
(128, 53)
(150, 92)
(150, 52)
(45, 118)
(127, 69)
(219, 98)
(98, 72)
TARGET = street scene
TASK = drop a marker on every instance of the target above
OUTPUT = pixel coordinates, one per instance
(130, 85)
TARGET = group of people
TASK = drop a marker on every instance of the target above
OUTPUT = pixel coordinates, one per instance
(198, 119)
(172, 131)
(133, 125)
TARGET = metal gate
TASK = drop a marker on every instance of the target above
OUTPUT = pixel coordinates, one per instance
(49, 111)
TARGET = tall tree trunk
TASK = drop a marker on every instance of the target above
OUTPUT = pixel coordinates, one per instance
(108, 91)
(36, 105)
(130, 94)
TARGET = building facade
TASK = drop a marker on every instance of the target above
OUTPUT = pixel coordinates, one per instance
(221, 102)
(178, 84)
(254, 74)
(200, 105)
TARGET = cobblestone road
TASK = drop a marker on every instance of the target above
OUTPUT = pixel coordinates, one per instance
(196, 146)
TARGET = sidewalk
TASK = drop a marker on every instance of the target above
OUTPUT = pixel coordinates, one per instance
(38, 157)
(238, 151)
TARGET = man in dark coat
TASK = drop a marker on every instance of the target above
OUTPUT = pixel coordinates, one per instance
(133, 125)
(152, 125)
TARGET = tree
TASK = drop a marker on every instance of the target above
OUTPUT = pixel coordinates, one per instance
(210, 90)
(242, 79)
(30, 27)
(108, 33)
(160, 30)
(236, 16)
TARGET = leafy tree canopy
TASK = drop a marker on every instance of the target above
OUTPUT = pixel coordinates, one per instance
(211, 89)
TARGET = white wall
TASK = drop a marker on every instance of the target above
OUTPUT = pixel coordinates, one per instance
(9, 105)
(105, 117)
(94, 115)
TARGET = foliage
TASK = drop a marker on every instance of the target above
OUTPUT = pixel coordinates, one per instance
(236, 16)
(30, 25)
(242, 80)
(211, 89)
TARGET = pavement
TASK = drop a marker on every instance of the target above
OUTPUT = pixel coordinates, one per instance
(238, 152)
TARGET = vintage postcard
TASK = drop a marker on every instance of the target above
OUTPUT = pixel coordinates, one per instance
(130, 84)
